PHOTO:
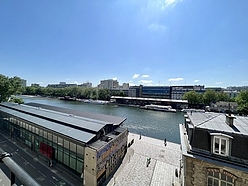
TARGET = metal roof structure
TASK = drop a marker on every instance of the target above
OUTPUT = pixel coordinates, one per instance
(80, 126)
(53, 126)
(217, 121)
(100, 117)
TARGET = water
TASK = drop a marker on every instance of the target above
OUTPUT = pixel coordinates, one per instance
(150, 123)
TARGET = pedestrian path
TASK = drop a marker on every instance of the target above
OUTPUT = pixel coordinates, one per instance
(165, 160)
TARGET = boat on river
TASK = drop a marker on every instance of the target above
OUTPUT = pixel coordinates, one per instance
(163, 108)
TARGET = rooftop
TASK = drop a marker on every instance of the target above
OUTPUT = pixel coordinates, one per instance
(80, 126)
(217, 121)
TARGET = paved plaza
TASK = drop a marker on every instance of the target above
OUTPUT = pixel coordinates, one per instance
(165, 160)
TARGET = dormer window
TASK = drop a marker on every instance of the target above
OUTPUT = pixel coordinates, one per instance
(221, 144)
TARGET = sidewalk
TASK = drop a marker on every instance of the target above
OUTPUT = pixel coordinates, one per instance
(161, 170)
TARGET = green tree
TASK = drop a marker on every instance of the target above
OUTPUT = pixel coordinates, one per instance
(9, 86)
(16, 100)
(209, 97)
(221, 96)
(242, 100)
(193, 98)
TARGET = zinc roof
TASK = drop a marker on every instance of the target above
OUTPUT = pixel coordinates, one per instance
(83, 123)
(217, 121)
(53, 126)
(100, 117)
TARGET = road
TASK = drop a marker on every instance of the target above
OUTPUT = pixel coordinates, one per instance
(36, 166)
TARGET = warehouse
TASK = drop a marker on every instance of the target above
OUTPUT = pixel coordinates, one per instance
(91, 145)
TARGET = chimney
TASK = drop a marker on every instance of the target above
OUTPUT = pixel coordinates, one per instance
(229, 119)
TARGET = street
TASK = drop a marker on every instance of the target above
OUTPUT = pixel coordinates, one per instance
(37, 167)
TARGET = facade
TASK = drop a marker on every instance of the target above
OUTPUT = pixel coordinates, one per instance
(175, 104)
(214, 149)
(135, 91)
(109, 84)
(24, 82)
(156, 92)
(224, 107)
(177, 92)
(231, 94)
(86, 85)
(91, 145)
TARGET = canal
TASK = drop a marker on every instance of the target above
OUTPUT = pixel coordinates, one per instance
(150, 123)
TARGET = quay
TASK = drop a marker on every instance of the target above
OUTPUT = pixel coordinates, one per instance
(164, 167)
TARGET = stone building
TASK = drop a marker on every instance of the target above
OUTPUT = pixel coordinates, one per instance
(214, 149)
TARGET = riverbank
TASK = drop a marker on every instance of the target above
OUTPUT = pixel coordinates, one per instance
(163, 169)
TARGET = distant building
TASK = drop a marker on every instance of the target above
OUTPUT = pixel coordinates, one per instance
(135, 91)
(61, 85)
(156, 92)
(35, 85)
(216, 89)
(214, 149)
(238, 88)
(109, 84)
(177, 92)
(224, 107)
(24, 83)
(231, 93)
(86, 85)
(91, 145)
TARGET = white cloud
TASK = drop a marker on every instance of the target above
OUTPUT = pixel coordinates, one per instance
(145, 76)
(136, 76)
(145, 82)
(197, 80)
(218, 83)
(75, 82)
(115, 78)
(170, 2)
(156, 27)
(175, 79)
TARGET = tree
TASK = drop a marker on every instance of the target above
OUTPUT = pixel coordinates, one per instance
(209, 97)
(221, 96)
(9, 86)
(16, 100)
(193, 98)
(242, 100)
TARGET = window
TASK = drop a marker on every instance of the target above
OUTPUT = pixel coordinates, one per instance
(220, 179)
(221, 144)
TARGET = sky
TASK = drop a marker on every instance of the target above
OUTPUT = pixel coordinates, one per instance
(140, 42)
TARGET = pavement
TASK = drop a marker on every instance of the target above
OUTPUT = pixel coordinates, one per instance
(163, 168)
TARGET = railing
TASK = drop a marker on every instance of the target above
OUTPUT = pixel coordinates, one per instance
(16, 170)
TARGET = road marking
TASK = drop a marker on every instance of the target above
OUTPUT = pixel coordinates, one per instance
(42, 174)
(32, 166)
(52, 182)
(24, 159)
(54, 178)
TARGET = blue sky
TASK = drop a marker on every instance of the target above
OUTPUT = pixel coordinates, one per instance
(149, 42)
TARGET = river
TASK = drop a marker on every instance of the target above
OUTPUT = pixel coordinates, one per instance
(150, 123)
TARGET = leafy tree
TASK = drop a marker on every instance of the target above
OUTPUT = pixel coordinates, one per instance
(9, 86)
(16, 100)
(242, 100)
(209, 97)
(103, 94)
(193, 98)
(221, 96)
